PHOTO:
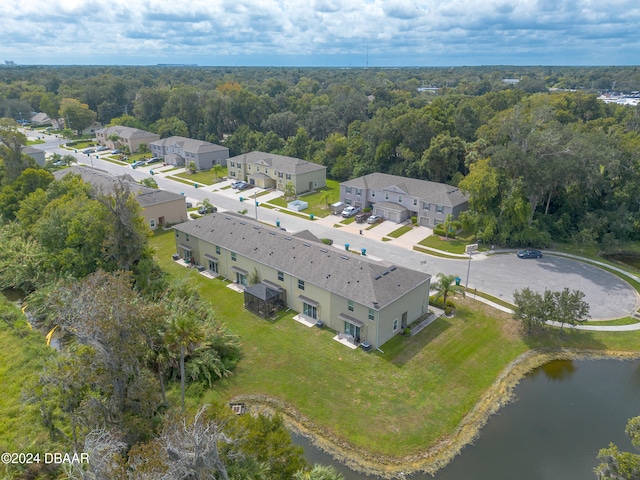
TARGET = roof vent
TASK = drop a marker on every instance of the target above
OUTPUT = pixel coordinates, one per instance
(386, 272)
(270, 233)
(324, 250)
(392, 268)
(287, 238)
(243, 223)
(377, 277)
(344, 257)
(306, 244)
(256, 227)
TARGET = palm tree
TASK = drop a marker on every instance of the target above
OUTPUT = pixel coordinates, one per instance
(445, 286)
(325, 197)
(217, 170)
(206, 206)
(184, 332)
(319, 472)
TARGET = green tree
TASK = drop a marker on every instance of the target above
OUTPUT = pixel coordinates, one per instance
(191, 167)
(77, 115)
(319, 472)
(290, 191)
(325, 198)
(531, 309)
(149, 182)
(184, 333)
(217, 170)
(569, 307)
(617, 465)
(206, 206)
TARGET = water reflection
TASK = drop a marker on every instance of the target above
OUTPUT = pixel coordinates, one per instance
(558, 370)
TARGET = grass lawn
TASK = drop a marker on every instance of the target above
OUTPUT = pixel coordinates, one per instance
(397, 402)
(175, 178)
(436, 253)
(205, 177)
(455, 245)
(317, 206)
(23, 355)
(400, 231)
(348, 221)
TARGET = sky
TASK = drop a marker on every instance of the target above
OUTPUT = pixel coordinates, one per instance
(320, 33)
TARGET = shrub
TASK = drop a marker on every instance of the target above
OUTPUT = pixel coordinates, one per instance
(326, 241)
(414, 220)
(194, 215)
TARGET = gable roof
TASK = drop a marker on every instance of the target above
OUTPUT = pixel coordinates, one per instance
(104, 182)
(433, 192)
(279, 163)
(126, 132)
(189, 144)
(369, 283)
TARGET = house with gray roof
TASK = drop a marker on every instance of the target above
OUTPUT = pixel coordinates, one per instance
(35, 153)
(120, 137)
(268, 170)
(398, 198)
(159, 207)
(182, 151)
(363, 299)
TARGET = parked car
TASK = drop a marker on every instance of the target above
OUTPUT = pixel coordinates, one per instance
(101, 148)
(374, 219)
(362, 216)
(529, 254)
(235, 183)
(244, 186)
(203, 211)
(88, 151)
(138, 163)
(350, 211)
(189, 205)
(116, 151)
(153, 160)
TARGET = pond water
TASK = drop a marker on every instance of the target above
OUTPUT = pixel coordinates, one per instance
(564, 413)
(631, 259)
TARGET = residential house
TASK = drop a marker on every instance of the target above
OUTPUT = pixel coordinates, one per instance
(159, 207)
(92, 129)
(128, 137)
(267, 170)
(181, 151)
(35, 153)
(365, 300)
(398, 198)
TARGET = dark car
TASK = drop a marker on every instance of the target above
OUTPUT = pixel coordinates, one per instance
(244, 186)
(116, 151)
(153, 160)
(362, 217)
(529, 254)
(101, 148)
(203, 211)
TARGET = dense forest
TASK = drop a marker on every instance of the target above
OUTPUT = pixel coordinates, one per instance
(543, 159)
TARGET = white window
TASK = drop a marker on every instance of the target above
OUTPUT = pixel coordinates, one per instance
(426, 206)
(372, 315)
(399, 199)
(348, 190)
(439, 208)
(386, 196)
(415, 202)
(152, 223)
(301, 284)
(395, 325)
(350, 305)
(281, 276)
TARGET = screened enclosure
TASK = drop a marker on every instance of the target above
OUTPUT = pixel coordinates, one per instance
(264, 300)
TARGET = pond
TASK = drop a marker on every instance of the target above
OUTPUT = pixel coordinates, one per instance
(564, 413)
(631, 259)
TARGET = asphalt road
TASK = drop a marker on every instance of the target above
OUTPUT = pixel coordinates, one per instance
(498, 275)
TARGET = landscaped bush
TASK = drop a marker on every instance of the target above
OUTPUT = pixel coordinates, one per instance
(194, 215)
(414, 220)
(326, 241)
(437, 302)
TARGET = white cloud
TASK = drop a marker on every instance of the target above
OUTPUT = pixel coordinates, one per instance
(163, 31)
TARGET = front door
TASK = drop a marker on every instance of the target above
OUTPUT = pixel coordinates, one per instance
(353, 330)
(241, 279)
(213, 266)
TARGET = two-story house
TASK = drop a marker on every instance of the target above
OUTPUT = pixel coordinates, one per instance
(181, 151)
(119, 137)
(364, 299)
(159, 207)
(267, 170)
(398, 198)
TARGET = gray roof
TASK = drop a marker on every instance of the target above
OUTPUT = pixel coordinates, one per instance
(30, 149)
(104, 183)
(433, 192)
(189, 144)
(279, 163)
(370, 283)
(125, 132)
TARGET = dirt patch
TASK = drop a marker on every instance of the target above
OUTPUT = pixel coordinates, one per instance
(437, 456)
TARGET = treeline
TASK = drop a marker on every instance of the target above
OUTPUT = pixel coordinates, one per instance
(539, 165)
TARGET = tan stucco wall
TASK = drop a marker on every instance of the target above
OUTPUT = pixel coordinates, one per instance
(173, 212)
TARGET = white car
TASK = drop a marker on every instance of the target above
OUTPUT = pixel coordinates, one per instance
(350, 212)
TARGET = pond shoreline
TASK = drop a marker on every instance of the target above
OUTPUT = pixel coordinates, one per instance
(436, 456)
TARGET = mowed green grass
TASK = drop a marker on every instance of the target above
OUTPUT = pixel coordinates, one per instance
(395, 403)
